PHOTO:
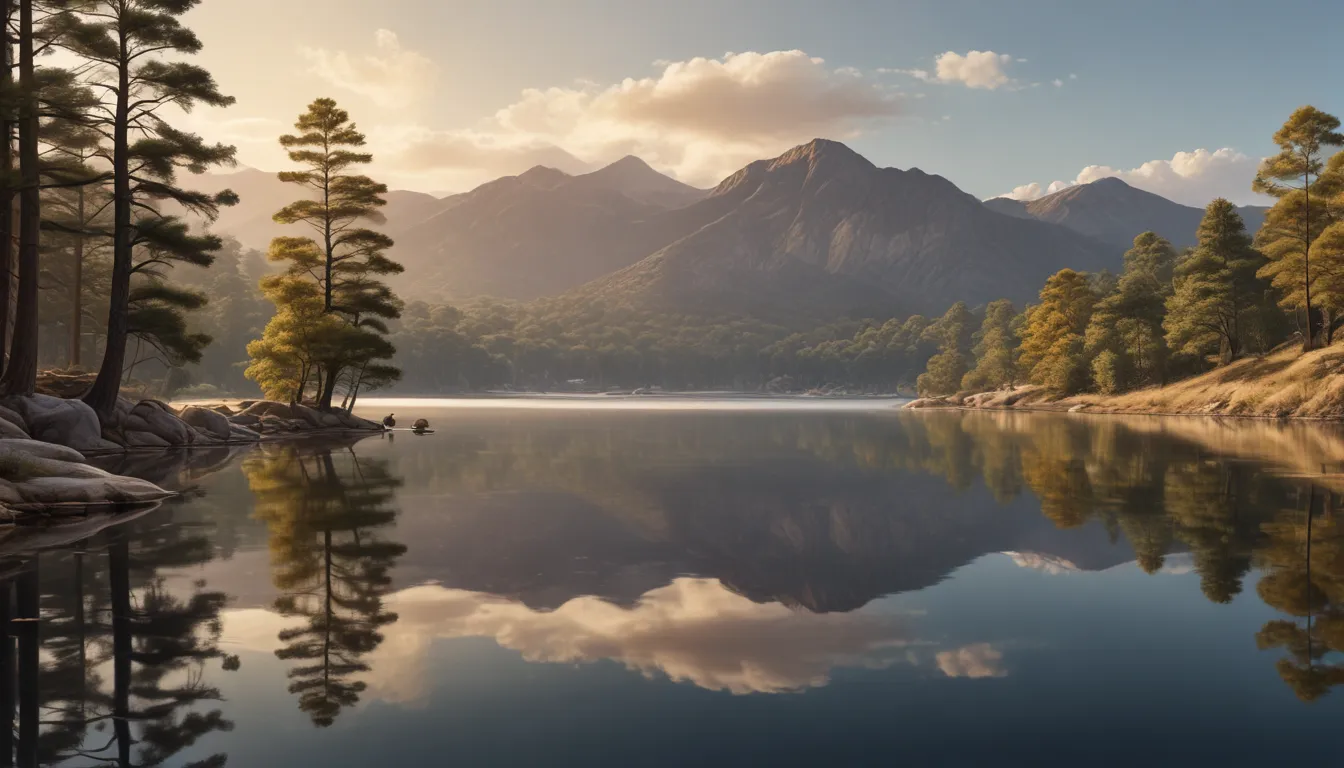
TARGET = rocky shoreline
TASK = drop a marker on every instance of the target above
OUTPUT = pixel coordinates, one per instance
(46, 442)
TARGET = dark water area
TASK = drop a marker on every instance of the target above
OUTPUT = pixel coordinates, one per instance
(664, 586)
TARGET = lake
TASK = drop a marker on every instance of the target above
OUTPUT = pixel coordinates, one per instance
(698, 583)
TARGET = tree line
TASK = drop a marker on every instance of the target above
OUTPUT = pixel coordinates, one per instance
(105, 249)
(1168, 315)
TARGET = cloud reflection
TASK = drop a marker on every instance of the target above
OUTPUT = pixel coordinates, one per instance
(692, 630)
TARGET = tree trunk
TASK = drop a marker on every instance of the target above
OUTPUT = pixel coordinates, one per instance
(7, 684)
(30, 663)
(6, 191)
(20, 377)
(77, 290)
(1307, 340)
(102, 397)
(119, 583)
(328, 391)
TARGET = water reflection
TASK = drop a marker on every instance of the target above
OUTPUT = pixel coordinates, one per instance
(751, 554)
(325, 510)
(113, 665)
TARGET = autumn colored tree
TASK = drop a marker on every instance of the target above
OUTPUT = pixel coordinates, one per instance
(1051, 354)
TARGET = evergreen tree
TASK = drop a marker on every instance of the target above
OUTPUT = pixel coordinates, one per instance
(344, 261)
(1051, 354)
(1217, 293)
(995, 349)
(1124, 337)
(125, 42)
(952, 333)
(1296, 220)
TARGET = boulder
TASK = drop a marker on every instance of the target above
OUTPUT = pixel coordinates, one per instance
(268, 408)
(133, 438)
(210, 422)
(71, 423)
(156, 418)
(311, 416)
(11, 431)
(223, 409)
(245, 420)
(13, 418)
(37, 473)
(243, 434)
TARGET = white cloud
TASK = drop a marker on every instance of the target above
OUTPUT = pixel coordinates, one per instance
(391, 76)
(700, 119)
(975, 69)
(974, 661)
(1193, 178)
(1057, 83)
(692, 630)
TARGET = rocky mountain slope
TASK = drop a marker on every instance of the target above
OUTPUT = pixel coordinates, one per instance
(820, 231)
(1114, 213)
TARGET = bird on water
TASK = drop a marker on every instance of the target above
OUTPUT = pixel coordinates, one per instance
(389, 422)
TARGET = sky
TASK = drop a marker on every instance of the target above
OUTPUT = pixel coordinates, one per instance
(1179, 97)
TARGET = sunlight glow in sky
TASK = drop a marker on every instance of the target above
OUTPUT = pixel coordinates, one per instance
(1001, 98)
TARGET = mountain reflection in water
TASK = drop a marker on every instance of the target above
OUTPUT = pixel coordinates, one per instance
(739, 553)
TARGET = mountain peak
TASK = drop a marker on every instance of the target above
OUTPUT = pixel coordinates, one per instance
(819, 151)
(1112, 182)
(543, 176)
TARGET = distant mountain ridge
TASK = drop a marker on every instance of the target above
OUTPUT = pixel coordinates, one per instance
(817, 233)
(1113, 212)
(820, 231)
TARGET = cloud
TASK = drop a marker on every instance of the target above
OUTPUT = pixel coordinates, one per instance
(975, 69)
(692, 630)
(391, 76)
(973, 661)
(700, 119)
(1057, 83)
(1193, 178)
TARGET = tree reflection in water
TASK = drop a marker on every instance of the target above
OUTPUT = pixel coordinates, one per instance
(117, 670)
(326, 510)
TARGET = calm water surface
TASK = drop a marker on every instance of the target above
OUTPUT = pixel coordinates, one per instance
(823, 584)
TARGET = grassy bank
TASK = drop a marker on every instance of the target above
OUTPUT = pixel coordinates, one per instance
(1283, 384)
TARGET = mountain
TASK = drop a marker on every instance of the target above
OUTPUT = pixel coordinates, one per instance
(1114, 213)
(539, 233)
(820, 231)
(261, 194)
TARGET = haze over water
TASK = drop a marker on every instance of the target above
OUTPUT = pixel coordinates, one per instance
(733, 583)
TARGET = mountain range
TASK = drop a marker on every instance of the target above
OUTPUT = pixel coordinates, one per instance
(1113, 212)
(816, 233)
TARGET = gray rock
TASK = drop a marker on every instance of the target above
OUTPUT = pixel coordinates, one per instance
(65, 422)
(245, 420)
(135, 438)
(160, 420)
(13, 418)
(243, 435)
(37, 473)
(11, 431)
(112, 489)
(210, 422)
(313, 417)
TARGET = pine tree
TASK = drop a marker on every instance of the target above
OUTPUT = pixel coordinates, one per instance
(1051, 354)
(952, 333)
(125, 42)
(995, 349)
(1296, 220)
(1217, 292)
(1124, 337)
(346, 263)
